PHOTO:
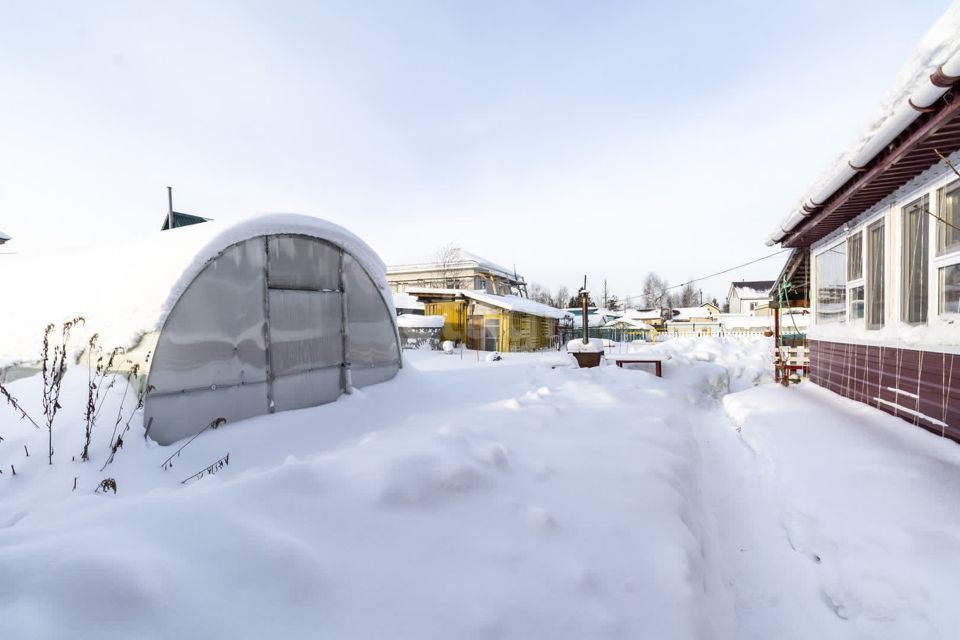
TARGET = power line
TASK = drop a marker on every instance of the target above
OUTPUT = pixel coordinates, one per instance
(718, 273)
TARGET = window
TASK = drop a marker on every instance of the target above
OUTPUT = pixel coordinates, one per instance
(914, 285)
(875, 290)
(832, 284)
(856, 302)
(948, 232)
(855, 256)
(950, 289)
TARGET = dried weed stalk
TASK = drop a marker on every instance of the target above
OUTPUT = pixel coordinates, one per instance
(95, 378)
(54, 368)
(168, 463)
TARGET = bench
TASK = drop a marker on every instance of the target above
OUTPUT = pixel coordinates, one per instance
(654, 361)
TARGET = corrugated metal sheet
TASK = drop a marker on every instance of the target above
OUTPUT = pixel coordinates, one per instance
(922, 387)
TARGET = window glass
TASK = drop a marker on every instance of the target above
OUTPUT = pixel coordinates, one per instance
(948, 232)
(832, 284)
(875, 288)
(856, 302)
(914, 284)
(950, 289)
(855, 256)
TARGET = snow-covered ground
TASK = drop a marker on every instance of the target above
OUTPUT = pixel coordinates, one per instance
(508, 499)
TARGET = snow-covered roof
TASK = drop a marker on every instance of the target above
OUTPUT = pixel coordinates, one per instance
(628, 322)
(124, 290)
(753, 290)
(912, 91)
(403, 300)
(3, 237)
(643, 314)
(510, 303)
(686, 313)
(411, 321)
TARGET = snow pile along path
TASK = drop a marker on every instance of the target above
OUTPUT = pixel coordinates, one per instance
(466, 499)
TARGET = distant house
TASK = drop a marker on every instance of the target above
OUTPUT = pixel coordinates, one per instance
(463, 270)
(877, 250)
(653, 317)
(706, 312)
(596, 316)
(490, 322)
(745, 296)
(3, 237)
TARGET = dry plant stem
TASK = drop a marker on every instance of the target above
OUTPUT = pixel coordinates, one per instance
(53, 371)
(16, 405)
(213, 425)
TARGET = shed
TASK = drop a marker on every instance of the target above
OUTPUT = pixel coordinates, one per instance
(278, 312)
(490, 322)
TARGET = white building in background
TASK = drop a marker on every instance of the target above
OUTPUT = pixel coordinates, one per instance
(462, 270)
(745, 296)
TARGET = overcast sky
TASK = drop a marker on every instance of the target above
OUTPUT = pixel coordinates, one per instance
(566, 138)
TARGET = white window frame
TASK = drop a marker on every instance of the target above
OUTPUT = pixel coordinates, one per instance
(815, 269)
(940, 261)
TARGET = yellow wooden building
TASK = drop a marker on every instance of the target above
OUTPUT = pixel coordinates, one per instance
(490, 322)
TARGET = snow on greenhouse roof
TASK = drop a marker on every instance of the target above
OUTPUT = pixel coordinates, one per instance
(126, 290)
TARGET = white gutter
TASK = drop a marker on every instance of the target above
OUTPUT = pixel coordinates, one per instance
(852, 162)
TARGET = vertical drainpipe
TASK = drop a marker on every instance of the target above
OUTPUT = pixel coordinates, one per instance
(266, 322)
(346, 383)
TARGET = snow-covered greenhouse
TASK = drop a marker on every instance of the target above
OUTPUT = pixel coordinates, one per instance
(275, 313)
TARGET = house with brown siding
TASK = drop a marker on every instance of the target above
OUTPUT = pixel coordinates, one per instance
(877, 250)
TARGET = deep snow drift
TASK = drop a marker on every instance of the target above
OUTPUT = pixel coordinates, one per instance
(508, 499)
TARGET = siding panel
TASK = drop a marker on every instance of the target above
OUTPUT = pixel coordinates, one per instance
(921, 387)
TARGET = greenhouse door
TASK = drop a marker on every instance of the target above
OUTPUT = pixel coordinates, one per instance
(491, 334)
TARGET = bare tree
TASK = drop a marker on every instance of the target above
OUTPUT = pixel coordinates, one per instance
(688, 296)
(561, 298)
(447, 259)
(539, 293)
(654, 291)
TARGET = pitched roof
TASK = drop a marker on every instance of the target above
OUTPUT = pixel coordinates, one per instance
(753, 288)
(466, 260)
(182, 220)
(921, 113)
(3, 237)
(510, 303)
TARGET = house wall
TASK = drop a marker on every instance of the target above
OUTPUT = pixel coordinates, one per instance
(908, 370)
(466, 322)
(922, 387)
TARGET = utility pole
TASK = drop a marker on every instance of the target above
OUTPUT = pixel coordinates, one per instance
(169, 208)
(604, 293)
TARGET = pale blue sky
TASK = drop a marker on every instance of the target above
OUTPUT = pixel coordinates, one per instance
(666, 136)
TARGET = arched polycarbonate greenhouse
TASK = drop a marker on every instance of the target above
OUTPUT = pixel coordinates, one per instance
(280, 312)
